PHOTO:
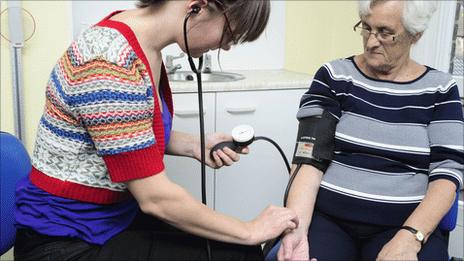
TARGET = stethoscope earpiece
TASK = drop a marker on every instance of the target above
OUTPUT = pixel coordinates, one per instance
(195, 9)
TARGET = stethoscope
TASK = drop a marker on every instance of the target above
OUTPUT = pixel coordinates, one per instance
(197, 71)
(243, 135)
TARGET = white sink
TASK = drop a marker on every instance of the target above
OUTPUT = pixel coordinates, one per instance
(185, 76)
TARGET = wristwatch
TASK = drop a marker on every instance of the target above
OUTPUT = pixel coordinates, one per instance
(419, 236)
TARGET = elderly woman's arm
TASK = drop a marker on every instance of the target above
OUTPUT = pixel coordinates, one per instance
(301, 199)
(425, 218)
(446, 137)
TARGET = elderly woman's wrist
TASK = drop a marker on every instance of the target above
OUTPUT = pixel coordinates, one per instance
(301, 230)
(410, 239)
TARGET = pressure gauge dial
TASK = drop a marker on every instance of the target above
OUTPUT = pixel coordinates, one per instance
(243, 135)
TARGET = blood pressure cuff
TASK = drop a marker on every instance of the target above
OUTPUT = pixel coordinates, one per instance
(315, 141)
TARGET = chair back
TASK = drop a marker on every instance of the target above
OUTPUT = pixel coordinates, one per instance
(448, 223)
(14, 165)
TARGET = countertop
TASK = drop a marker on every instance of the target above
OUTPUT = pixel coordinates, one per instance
(259, 80)
(254, 80)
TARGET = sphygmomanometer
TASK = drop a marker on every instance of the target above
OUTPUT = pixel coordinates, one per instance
(315, 141)
(242, 136)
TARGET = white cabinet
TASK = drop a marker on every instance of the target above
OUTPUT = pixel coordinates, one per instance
(258, 179)
(186, 171)
(244, 189)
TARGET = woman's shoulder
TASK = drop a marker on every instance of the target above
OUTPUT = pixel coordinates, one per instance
(437, 75)
(102, 43)
(340, 67)
(441, 82)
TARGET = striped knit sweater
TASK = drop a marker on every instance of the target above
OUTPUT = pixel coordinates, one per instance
(102, 125)
(392, 139)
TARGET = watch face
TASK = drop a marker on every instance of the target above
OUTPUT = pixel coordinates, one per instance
(419, 236)
(243, 133)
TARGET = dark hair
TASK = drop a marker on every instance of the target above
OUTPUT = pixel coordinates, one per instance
(249, 17)
(147, 3)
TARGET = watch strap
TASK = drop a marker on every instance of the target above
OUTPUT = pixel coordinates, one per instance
(415, 232)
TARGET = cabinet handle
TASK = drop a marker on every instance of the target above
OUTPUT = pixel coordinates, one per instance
(241, 109)
(188, 113)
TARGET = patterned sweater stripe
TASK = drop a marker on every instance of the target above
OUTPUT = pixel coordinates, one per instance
(77, 191)
(392, 139)
(102, 125)
(100, 70)
(107, 132)
(56, 113)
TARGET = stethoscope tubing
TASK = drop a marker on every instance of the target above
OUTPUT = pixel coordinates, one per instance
(197, 72)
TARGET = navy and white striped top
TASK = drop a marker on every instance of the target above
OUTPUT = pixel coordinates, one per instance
(392, 139)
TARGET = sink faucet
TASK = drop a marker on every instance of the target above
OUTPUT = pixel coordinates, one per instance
(171, 68)
(206, 63)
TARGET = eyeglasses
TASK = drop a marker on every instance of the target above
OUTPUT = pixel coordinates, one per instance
(383, 37)
(227, 26)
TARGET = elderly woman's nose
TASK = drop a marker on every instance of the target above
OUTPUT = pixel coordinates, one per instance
(372, 41)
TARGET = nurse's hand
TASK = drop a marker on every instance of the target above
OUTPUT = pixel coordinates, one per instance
(272, 222)
(222, 157)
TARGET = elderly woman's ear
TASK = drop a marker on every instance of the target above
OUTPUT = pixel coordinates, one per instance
(416, 37)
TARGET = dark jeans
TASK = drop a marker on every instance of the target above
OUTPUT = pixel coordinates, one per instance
(336, 239)
(146, 239)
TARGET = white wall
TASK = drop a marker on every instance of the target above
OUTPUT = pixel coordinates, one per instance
(434, 48)
(265, 53)
(86, 13)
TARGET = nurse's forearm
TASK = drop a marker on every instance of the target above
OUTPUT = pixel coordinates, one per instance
(161, 198)
(181, 144)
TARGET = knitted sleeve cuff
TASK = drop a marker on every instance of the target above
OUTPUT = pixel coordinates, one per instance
(450, 178)
(126, 166)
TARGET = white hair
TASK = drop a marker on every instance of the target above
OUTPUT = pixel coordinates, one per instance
(416, 14)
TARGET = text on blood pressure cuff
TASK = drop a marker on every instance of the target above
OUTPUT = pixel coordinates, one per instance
(315, 141)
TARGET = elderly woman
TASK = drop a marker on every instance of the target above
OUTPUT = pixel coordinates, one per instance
(398, 149)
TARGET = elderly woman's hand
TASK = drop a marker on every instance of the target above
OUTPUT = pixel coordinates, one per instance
(294, 246)
(222, 157)
(403, 246)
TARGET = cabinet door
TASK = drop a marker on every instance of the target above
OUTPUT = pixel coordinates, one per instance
(187, 171)
(260, 178)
